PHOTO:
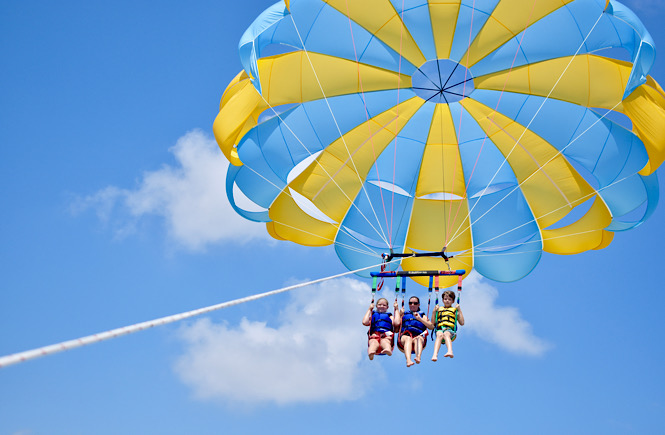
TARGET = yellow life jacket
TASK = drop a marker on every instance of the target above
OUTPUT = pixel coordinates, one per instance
(446, 318)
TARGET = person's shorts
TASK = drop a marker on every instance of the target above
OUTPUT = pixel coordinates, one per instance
(453, 334)
(399, 339)
(378, 336)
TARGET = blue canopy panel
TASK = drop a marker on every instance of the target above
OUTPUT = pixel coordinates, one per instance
(632, 200)
(249, 48)
(472, 17)
(497, 223)
(256, 216)
(415, 16)
(506, 238)
(501, 220)
(628, 221)
(562, 33)
(399, 163)
(322, 29)
(605, 151)
(359, 244)
(291, 137)
(483, 164)
(512, 264)
(390, 185)
(643, 49)
(260, 189)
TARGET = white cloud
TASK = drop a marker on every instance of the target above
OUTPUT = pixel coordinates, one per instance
(317, 349)
(190, 198)
(314, 354)
(499, 325)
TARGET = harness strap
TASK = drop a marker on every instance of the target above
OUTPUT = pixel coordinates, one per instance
(429, 292)
(459, 295)
(373, 288)
(383, 269)
(397, 285)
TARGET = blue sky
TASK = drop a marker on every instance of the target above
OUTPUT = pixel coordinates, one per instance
(113, 212)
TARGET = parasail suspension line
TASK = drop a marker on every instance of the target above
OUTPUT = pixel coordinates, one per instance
(403, 291)
(429, 293)
(373, 288)
(398, 282)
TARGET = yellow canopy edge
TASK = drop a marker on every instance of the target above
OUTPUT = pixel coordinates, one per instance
(582, 235)
(239, 110)
(290, 222)
(646, 108)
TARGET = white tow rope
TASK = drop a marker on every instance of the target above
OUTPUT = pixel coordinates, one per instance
(113, 333)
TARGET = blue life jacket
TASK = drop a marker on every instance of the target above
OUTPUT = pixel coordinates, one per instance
(381, 322)
(411, 324)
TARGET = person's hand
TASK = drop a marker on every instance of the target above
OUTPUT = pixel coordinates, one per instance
(371, 306)
(395, 305)
(417, 316)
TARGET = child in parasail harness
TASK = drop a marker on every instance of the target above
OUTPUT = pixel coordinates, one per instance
(445, 324)
(413, 333)
(381, 324)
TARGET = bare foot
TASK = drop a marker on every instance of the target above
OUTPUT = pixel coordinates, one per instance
(417, 359)
(387, 352)
(371, 356)
(434, 358)
(449, 355)
(409, 363)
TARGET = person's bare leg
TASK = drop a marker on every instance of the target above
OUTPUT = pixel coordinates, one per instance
(419, 347)
(372, 348)
(407, 343)
(437, 345)
(386, 347)
(449, 345)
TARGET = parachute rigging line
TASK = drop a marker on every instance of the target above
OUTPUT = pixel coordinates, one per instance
(517, 142)
(341, 136)
(287, 192)
(114, 333)
(324, 170)
(362, 95)
(505, 83)
(560, 152)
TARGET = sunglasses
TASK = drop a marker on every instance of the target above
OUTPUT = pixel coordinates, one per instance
(414, 303)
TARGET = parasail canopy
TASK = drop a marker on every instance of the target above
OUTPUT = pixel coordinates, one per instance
(498, 129)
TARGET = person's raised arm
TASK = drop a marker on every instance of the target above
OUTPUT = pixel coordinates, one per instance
(460, 316)
(424, 320)
(397, 318)
(434, 313)
(367, 319)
